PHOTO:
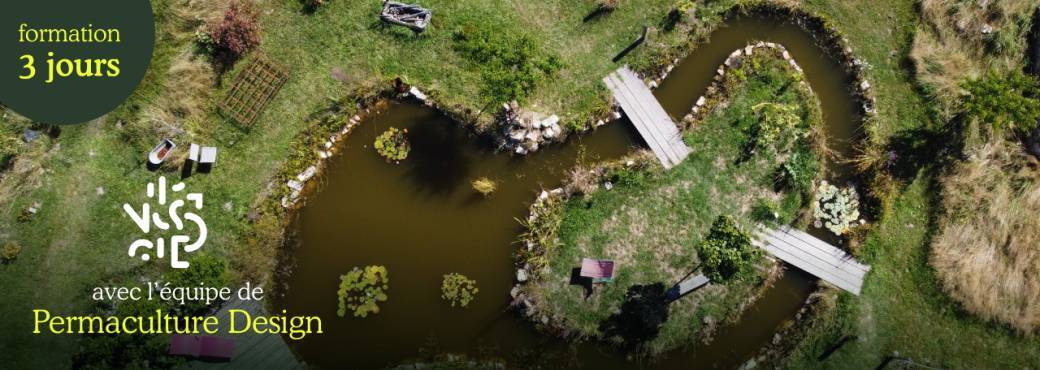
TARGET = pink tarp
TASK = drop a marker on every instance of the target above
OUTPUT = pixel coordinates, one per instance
(184, 345)
(597, 269)
(210, 347)
(217, 348)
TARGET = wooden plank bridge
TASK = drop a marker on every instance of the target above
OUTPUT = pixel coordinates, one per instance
(814, 256)
(650, 119)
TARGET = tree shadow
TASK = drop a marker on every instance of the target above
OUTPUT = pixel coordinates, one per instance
(439, 163)
(595, 14)
(641, 316)
(584, 282)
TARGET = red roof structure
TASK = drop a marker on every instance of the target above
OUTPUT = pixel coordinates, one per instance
(599, 271)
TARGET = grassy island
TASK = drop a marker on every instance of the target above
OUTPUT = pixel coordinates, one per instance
(651, 220)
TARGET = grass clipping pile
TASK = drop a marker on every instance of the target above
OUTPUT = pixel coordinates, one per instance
(986, 252)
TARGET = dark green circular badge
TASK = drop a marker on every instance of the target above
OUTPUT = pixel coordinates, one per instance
(70, 61)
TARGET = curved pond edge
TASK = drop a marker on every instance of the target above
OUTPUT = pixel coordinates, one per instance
(548, 202)
(274, 209)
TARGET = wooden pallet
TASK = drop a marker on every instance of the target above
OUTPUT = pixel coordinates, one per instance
(253, 90)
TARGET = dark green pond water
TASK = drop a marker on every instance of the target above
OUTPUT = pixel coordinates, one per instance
(422, 220)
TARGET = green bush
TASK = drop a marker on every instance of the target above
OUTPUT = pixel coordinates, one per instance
(458, 289)
(765, 211)
(512, 65)
(779, 126)
(10, 251)
(726, 252)
(799, 171)
(1003, 101)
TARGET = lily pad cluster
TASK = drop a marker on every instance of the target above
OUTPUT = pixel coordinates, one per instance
(458, 289)
(360, 291)
(393, 145)
(836, 209)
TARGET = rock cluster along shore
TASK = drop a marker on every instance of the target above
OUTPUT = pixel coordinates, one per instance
(327, 148)
(325, 151)
(526, 131)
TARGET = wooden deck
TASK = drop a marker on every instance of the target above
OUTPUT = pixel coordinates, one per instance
(650, 119)
(252, 351)
(814, 256)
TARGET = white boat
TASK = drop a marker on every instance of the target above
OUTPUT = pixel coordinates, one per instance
(161, 151)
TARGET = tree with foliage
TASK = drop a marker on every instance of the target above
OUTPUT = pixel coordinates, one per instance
(1009, 101)
(458, 289)
(237, 32)
(726, 252)
(360, 291)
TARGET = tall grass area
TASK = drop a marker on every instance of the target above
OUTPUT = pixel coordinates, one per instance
(986, 250)
(652, 220)
(963, 39)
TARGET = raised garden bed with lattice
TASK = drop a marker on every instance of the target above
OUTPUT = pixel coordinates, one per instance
(253, 89)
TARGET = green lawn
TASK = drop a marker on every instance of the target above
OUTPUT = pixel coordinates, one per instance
(652, 220)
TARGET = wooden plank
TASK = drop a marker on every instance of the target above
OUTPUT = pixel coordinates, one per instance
(823, 247)
(690, 284)
(828, 254)
(650, 119)
(807, 262)
(658, 118)
(664, 123)
(814, 256)
(636, 116)
(823, 274)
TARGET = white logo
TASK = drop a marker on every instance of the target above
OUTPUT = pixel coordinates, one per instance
(145, 218)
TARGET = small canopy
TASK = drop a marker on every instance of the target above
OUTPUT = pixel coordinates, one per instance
(598, 270)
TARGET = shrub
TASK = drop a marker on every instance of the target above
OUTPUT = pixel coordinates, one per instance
(609, 5)
(1003, 101)
(361, 290)
(779, 126)
(726, 252)
(799, 171)
(10, 251)
(512, 65)
(836, 209)
(485, 186)
(458, 289)
(392, 144)
(766, 211)
(235, 34)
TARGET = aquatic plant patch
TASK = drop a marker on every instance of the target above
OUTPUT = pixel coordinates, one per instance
(361, 290)
(393, 144)
(458, 289)
(836, 209)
